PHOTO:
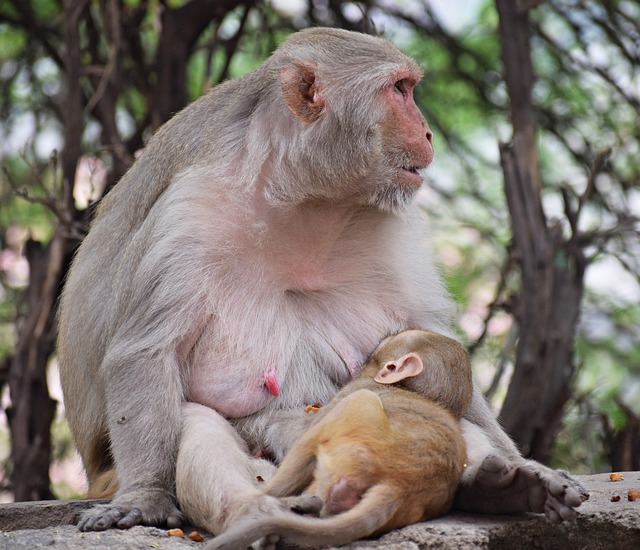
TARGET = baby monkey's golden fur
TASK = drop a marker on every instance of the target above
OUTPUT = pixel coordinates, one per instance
(382, 455)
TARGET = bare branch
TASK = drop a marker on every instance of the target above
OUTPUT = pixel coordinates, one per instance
(111, 16)
(529, 5)
(231, 46)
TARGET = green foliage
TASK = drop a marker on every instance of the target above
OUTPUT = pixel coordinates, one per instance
(18, 175)
(12, 43)
(7, 329)
(63, 444)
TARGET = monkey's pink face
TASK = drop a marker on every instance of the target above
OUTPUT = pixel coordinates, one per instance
(406, 133)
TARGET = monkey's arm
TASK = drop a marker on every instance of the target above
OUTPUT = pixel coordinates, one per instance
(146, 487)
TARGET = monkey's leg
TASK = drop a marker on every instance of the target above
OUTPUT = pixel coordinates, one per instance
(295, 472)
(144, 433)
(215, 475)
(499, 480)
(217, 479)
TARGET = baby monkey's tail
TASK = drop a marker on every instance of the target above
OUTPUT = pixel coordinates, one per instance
(374, 511)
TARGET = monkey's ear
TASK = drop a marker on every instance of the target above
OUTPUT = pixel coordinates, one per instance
(407, 366)
(300, 91)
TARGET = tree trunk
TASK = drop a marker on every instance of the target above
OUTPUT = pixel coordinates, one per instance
(32, 410)
(623, 445)
(181, 28)
(547, 306)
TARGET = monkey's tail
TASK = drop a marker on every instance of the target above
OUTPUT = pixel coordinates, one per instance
(103, 485)
(374, 511)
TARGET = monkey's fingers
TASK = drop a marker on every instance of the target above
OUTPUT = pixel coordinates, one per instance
(131, 518)
(267, 543)
(494, 476)
(174, 520)
(575, 484)
(270, 542)
(561, 499)
(557, 511)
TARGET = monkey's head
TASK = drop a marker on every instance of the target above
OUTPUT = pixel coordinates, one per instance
(414, 357)
(402, 356)
(353, 131)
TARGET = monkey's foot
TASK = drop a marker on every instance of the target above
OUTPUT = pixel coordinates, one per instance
(255, 524)
(499, 487)
(142, 506)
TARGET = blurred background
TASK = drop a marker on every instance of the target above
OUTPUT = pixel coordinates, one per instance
(534, 196)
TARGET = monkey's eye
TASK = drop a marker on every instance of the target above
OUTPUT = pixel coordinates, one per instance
(400, 86)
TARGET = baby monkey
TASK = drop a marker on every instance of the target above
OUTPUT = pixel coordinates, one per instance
(386, 452)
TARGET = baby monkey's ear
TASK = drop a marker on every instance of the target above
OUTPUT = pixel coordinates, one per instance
(405, 367)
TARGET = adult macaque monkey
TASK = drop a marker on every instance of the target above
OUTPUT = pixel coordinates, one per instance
(386, 452)
(247, 264)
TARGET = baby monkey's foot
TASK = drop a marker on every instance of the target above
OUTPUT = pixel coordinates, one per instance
(254, 524)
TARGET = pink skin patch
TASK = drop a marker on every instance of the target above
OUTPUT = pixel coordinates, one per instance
(344, 495)
(271, 381)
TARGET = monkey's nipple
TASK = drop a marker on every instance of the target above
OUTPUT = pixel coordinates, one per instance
(271, 382)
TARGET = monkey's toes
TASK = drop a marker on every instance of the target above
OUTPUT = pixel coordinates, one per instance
(131, 518)
(100, 518)
(174, 521)
(305, 504)
(147, 507)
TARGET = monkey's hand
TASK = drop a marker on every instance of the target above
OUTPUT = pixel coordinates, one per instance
(496, 486)
(256, 524)
(141, 506)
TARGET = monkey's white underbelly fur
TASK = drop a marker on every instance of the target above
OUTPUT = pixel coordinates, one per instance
(238, 370)
(299, 300)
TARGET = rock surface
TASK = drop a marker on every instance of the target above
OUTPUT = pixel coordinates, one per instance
(601, 524)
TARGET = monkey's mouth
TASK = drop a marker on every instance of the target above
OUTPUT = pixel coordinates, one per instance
(409, 177)
(412, 169)
(411, 174)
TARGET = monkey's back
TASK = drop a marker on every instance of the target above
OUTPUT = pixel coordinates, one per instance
(412, 445)
(426, 456)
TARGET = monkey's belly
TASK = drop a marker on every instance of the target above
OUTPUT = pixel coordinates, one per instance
(310, 368)
(292, 347)
(233, 390)
(241, 388)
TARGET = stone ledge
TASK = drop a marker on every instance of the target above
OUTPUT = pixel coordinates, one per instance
(43, 513)
(601, 524)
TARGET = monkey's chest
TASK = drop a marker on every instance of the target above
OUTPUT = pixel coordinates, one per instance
(295, 348)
